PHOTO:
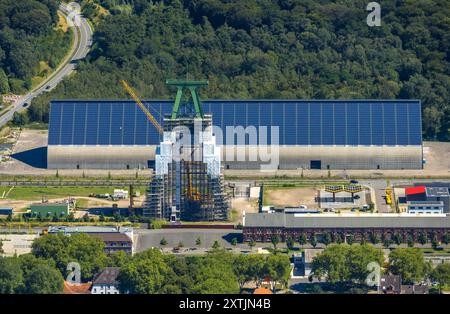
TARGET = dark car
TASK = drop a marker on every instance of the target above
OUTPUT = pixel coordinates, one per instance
(354, 181)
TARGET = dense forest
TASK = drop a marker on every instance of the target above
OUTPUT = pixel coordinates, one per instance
(30, 43)
(269, 49)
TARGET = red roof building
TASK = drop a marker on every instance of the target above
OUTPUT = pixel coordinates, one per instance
(82, 288)
(262, 291)
(415, 190)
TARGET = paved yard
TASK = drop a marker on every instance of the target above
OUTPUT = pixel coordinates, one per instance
(152, 238)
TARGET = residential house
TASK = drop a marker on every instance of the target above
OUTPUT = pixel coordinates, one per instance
(390, 284)
(115, 242)
(106, 281)
(77, 288)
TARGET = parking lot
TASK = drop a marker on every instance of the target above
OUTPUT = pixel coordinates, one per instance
(151, 238)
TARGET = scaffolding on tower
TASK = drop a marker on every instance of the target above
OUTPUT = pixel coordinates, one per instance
(188, 180)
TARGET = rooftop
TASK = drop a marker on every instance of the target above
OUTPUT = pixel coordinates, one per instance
(390, 284)
(415, 190)
(112, 237)
(441, 203)
(262, 291)
(301, 122)
(89, 229)
(49, 205)
(82, 288)
(414, 289)
(107, 277)
(437, 191)
(346, 221)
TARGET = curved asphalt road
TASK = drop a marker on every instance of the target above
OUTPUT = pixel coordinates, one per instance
(80, 48)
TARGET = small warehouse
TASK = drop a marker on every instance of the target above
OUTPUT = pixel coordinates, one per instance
(6, 211)
(49, 210)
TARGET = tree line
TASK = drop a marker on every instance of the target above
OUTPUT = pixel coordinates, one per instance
(386, 239)
(269, 49)
(218, 271)
(343, 264)
(150, 271)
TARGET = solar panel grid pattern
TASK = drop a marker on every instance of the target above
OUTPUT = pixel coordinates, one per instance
(300, 122)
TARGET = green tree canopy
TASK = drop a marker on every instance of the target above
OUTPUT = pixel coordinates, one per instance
(40, 276)
(11, 275)
(409, 264)
(441, 275)
(270, 49)
(345, 263)
(80, 248)
(146, 273)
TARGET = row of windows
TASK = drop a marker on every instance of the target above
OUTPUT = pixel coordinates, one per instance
(425, 207)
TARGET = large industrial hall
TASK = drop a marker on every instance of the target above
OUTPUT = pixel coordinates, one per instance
(312, 134)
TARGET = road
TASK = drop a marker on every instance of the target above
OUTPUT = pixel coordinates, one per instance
(81, 46)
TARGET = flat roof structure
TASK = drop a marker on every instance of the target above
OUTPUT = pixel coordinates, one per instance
(89, 229)
(300, 122)
(437, 192)
(321, 221)
(308, 134)
(415, 190)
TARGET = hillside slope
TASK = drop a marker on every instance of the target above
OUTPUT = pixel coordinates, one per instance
(270, 49)
(32, 43)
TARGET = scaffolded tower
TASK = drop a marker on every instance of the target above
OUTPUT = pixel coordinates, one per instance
(188, 181)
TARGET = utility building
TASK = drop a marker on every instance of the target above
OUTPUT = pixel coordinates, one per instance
(310, 134)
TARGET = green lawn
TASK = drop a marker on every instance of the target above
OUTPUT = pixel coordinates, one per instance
(36, 193)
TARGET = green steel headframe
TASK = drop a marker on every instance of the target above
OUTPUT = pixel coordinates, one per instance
(192, 86)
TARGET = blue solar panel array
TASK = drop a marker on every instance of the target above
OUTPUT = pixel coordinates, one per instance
(300, 122)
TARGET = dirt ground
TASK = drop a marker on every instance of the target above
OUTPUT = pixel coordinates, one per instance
(291, 197)
(238, 205)
(91, 202)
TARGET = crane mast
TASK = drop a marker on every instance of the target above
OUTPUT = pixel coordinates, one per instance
(150, 117)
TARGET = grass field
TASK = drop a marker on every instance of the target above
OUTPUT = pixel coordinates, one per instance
(36, 193)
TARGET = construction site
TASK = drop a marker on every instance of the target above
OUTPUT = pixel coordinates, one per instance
(188, 180)
(182, 150)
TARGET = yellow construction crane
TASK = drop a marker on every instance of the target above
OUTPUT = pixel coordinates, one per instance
(133, 95)
(192, 192)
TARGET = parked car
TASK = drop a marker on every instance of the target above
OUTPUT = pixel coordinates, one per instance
(354, 181)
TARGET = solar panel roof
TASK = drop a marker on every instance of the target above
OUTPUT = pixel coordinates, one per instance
(300, 122)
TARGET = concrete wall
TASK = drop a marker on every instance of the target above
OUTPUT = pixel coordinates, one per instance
(287, 157)
(17, 243)
(99, 157)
